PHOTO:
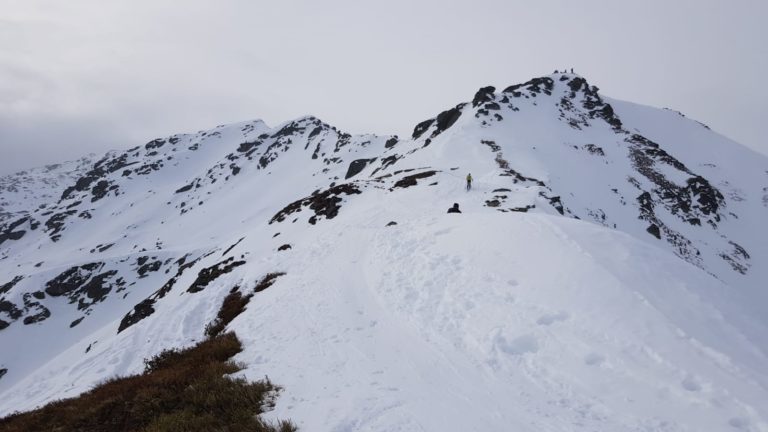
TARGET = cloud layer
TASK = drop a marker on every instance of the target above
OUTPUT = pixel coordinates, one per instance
(87, 75)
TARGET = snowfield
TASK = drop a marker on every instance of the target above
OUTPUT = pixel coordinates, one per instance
(607, 271)
(485, 322)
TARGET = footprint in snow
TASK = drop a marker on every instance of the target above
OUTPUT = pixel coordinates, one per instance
(739, 423)
(549, 319)
(594, 359)
(691, 384)
(517, 346)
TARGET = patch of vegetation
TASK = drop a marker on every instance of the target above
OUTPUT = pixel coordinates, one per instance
(234, 304)
(180, 390)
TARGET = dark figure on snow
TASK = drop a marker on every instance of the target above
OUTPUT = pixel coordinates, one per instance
(469, 181)
(454, 209)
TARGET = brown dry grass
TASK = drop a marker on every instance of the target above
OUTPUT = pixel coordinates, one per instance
(180, 390)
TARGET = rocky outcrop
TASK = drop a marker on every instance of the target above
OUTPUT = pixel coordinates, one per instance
(324, 204)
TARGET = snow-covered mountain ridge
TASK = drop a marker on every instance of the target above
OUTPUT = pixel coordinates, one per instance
(640, 261)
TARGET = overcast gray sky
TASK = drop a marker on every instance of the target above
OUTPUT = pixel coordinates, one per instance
(79, 76)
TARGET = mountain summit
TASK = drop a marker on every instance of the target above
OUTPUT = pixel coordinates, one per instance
(607, 270)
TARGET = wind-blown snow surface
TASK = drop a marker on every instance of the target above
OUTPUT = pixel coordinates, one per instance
(606, 273)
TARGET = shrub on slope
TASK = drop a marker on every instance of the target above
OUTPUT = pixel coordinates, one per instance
(180, 390)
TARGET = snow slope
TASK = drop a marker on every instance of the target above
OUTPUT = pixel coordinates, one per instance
(606, 271)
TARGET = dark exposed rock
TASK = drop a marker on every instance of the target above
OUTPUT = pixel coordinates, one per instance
(577, 84)
(523, 179)
(154, 144)
(82, 184)
(3, 371)
(356, 166)
(96, 289)
(284, 247)
(738, 258)
(504, 165)
(653, 229)
(325, 203)
(76, 322)
(315, 132)
(392, 223)
(145, 267)
(84, 284)
(454, 208)
(683, 247)
(697, 200)
(387, 161)
(71, 279)
(10, 232)
(101, 189)
(149, 167)
(185, 188)
(246, 147)
(146, 308)
(35, 312)
(38, 295)
(233, 246)
(522, 209)
(483, 95)
(4, 288)
(10, 309)
(595, 106)
(502, 190)
(283, 139)
(209, 274)
(102, 248)
(446, 119)
(443, 121)
(411, 180)
(492, 144)
(100, 170)
(140, 311)
(55, 224)
(534, 86)
(554, 202)
(492, 203)
(391, 142)
(422, 127)
(593, 149)
(292, 128)
(267, 281)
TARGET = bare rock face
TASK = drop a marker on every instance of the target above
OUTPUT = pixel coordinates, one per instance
(324, 204)
(356, 166)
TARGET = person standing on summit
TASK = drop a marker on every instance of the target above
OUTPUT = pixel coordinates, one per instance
(469, 181)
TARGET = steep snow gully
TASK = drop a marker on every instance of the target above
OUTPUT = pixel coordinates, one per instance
(607, 270)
